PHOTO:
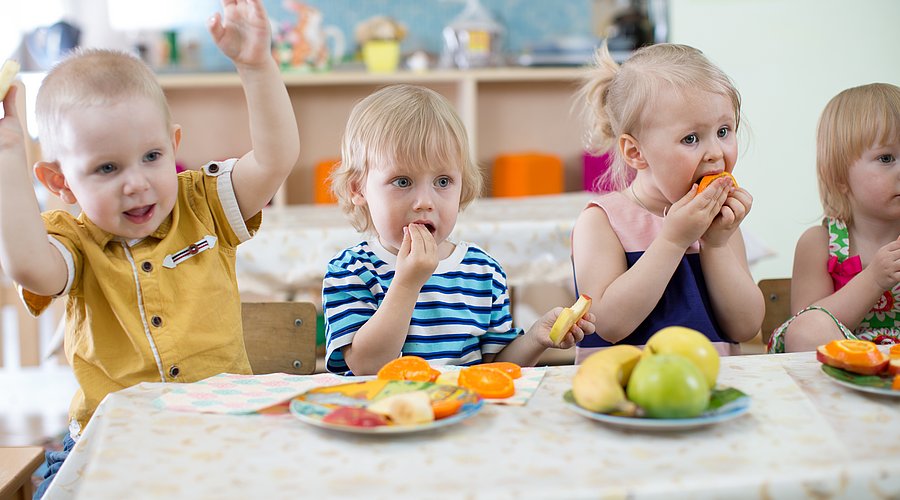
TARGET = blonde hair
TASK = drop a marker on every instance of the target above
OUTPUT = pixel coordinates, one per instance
(404, 125)
(617, 97)
(87, 78)
(852, 122)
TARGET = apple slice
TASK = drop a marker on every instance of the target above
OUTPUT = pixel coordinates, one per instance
(568, 317)
(7, 75)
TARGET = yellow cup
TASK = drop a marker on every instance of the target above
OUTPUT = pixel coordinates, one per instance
(381, 56)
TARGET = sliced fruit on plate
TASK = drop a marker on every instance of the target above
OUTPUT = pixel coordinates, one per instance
(856, 356)
(487, 382)
(408, 368)
(356, 417)
(404, 409)
(510, 368)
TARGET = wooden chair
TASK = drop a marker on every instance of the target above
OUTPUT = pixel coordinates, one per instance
(16, 467)
(280, 337)
(777, 293)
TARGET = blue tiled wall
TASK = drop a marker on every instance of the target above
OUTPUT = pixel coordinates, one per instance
(526, 21)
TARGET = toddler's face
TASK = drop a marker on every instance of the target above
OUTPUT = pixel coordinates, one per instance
(688, 134)
(397, 197)
(874, 181)
(119, 164)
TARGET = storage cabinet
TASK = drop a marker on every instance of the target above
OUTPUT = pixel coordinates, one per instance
(505, 110)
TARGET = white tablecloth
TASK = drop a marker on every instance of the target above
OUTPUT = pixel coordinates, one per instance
(805, 436)
(530, 237)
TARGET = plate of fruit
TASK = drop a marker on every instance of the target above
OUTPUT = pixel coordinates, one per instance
(670, 384)
(862, 366)
(385, 406)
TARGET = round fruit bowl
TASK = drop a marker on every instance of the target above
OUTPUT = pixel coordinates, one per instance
(725, 404)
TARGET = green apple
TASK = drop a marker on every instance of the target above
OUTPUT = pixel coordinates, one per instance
(689, 343)
(668, 386)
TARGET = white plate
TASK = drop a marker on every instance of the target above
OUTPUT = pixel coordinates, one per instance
(881, 391)
(309, 408)
(729, 411)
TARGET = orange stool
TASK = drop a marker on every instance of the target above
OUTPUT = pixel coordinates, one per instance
(322, 187)
(527, 174)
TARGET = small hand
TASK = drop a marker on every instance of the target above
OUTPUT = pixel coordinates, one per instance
(733, 212)
(12, 138)
(582, 327)
(242, 32)
(417, 258)
(885, 265)
(690, 217)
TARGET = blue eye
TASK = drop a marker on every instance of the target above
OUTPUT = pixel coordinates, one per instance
(690, 139)
(152, 156)
(106, 168)
(723, 132)
(442, 182)
(402, 182)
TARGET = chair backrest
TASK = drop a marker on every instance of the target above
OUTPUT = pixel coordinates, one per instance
(280, 337)
(777, 293)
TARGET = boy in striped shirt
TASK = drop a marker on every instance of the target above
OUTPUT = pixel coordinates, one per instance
(406, 171)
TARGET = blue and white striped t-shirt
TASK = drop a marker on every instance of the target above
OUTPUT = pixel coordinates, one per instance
(462, 311)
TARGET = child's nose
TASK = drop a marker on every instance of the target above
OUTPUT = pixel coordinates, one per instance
(713, 154)
(424, 200)
(136, 182)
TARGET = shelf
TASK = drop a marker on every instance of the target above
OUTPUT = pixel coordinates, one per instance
(504, 110)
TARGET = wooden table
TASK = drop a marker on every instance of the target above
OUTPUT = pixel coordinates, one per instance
(16, 467)
(804, 436)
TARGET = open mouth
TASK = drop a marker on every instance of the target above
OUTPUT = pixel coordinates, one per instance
(140, 215)
(428, 225)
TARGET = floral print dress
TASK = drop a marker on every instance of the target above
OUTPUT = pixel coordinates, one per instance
(881, 324)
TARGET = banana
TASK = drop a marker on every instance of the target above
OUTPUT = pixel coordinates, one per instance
(620, 359)
(7, 75)
(599, 383)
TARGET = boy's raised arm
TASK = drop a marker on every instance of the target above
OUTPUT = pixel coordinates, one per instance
(243, 33)
(25, 253)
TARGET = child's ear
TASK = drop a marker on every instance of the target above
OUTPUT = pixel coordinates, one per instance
(52, 178)
(630, 149)
(176, 137)
(356, 195)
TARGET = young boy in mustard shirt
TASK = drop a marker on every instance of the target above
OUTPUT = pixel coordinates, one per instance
(148, 265)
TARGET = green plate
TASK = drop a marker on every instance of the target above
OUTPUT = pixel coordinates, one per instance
(873, 384)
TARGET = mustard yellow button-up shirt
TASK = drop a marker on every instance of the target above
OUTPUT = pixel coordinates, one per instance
(164, 309)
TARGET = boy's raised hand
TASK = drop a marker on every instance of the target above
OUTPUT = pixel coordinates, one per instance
(417, 258)
(12, 138)
(242, 32)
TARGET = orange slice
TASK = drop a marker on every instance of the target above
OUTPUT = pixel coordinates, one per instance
(510, 368)
(487, 382)
(857, 356)
(894, 353)
(895, 385)
(708, 179)
(446, 407)
(408, 368)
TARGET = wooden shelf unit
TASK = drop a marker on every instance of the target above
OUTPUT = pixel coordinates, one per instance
(505, 110)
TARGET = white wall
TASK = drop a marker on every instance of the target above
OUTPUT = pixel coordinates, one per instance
(788, 58)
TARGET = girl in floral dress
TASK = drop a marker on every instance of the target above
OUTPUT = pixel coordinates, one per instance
(852, 260)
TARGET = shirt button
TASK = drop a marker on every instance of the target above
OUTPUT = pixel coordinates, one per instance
(213, 168)
(156, 321)
(147, 266)
(174, 371)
